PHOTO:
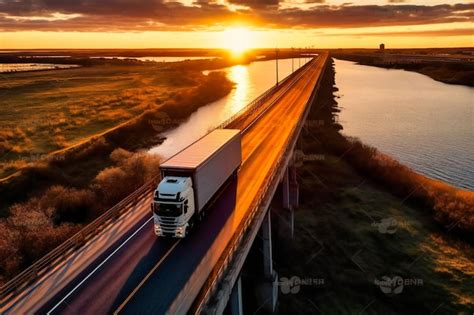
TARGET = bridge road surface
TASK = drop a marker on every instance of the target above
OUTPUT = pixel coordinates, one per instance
(190, 263)
(139, 266)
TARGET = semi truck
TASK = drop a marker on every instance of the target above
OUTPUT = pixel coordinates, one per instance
(191, 179)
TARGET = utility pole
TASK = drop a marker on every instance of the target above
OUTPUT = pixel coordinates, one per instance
(299, 57)
(292, 60)
(276, 59)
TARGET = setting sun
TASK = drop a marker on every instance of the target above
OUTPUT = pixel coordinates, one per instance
(237, 40)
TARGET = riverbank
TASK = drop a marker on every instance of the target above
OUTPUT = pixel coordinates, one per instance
(363, 242)
(451, 71)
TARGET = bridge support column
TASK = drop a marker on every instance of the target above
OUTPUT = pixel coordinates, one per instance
(294, 189)
(236, 299)
(290, 198)
(285, 186)
(269, 289)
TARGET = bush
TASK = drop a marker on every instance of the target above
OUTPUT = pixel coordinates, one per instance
(27, 235)
(132, 170)
(69, 204)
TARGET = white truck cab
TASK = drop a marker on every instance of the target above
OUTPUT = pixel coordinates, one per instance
(173, 206)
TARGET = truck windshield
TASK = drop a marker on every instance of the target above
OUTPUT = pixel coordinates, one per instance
(168, 210)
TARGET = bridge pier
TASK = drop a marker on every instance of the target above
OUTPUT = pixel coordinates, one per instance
(235, 302)
(290, 200)
(268, 293)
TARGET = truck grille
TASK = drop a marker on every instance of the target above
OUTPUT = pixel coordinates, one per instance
(168, 224)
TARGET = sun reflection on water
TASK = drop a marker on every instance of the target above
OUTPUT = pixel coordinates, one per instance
(240, 75)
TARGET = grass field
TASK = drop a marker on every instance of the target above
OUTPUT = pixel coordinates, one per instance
(45, 111)
(360, 234)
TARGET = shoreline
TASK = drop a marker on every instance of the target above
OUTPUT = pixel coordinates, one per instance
(452, 207)
(456, 72)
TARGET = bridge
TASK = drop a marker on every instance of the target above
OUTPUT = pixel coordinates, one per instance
(117, 265)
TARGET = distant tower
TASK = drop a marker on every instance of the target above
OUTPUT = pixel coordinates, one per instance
(382, 46)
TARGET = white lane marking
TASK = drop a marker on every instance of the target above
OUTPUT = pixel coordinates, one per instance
(98, 267)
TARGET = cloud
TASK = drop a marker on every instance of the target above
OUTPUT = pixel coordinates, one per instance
(443, 32)
(257, 4)
(162, 15)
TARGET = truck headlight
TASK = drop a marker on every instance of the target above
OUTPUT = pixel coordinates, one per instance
(180, 231)
(157, 229)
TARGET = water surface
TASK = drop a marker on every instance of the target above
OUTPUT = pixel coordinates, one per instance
(251, 81)
(425, 124)
(156, 59)
(20, 67)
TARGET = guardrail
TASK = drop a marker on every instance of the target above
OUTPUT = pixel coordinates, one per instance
(76, 241)
(252, 106)
(53, 258)
(255, 209)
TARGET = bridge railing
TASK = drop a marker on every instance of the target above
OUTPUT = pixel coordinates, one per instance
(251, 107)
(255, 209)
(53, 258)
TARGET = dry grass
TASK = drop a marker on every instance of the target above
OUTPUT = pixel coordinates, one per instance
(453, 208)
(52, 110)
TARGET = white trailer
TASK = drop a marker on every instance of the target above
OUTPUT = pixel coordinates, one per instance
(191, 179)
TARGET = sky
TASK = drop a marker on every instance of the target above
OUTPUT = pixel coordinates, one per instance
(26, 24)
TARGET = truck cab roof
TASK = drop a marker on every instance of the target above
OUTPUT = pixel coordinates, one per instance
(171, 185)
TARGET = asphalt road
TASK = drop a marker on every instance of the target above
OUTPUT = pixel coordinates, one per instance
(176, 282)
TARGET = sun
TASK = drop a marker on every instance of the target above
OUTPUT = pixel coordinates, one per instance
(237, 40)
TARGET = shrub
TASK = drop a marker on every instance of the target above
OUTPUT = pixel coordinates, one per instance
(132, 170)
(27, 235)
(69, 204)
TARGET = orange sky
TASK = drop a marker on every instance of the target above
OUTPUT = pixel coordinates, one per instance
(234, 23)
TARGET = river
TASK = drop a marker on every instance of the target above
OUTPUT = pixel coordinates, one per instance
(425, 124)
(251, 81)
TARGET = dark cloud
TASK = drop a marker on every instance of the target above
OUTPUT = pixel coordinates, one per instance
(256, 4)
(141, 15)
(438, 32)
